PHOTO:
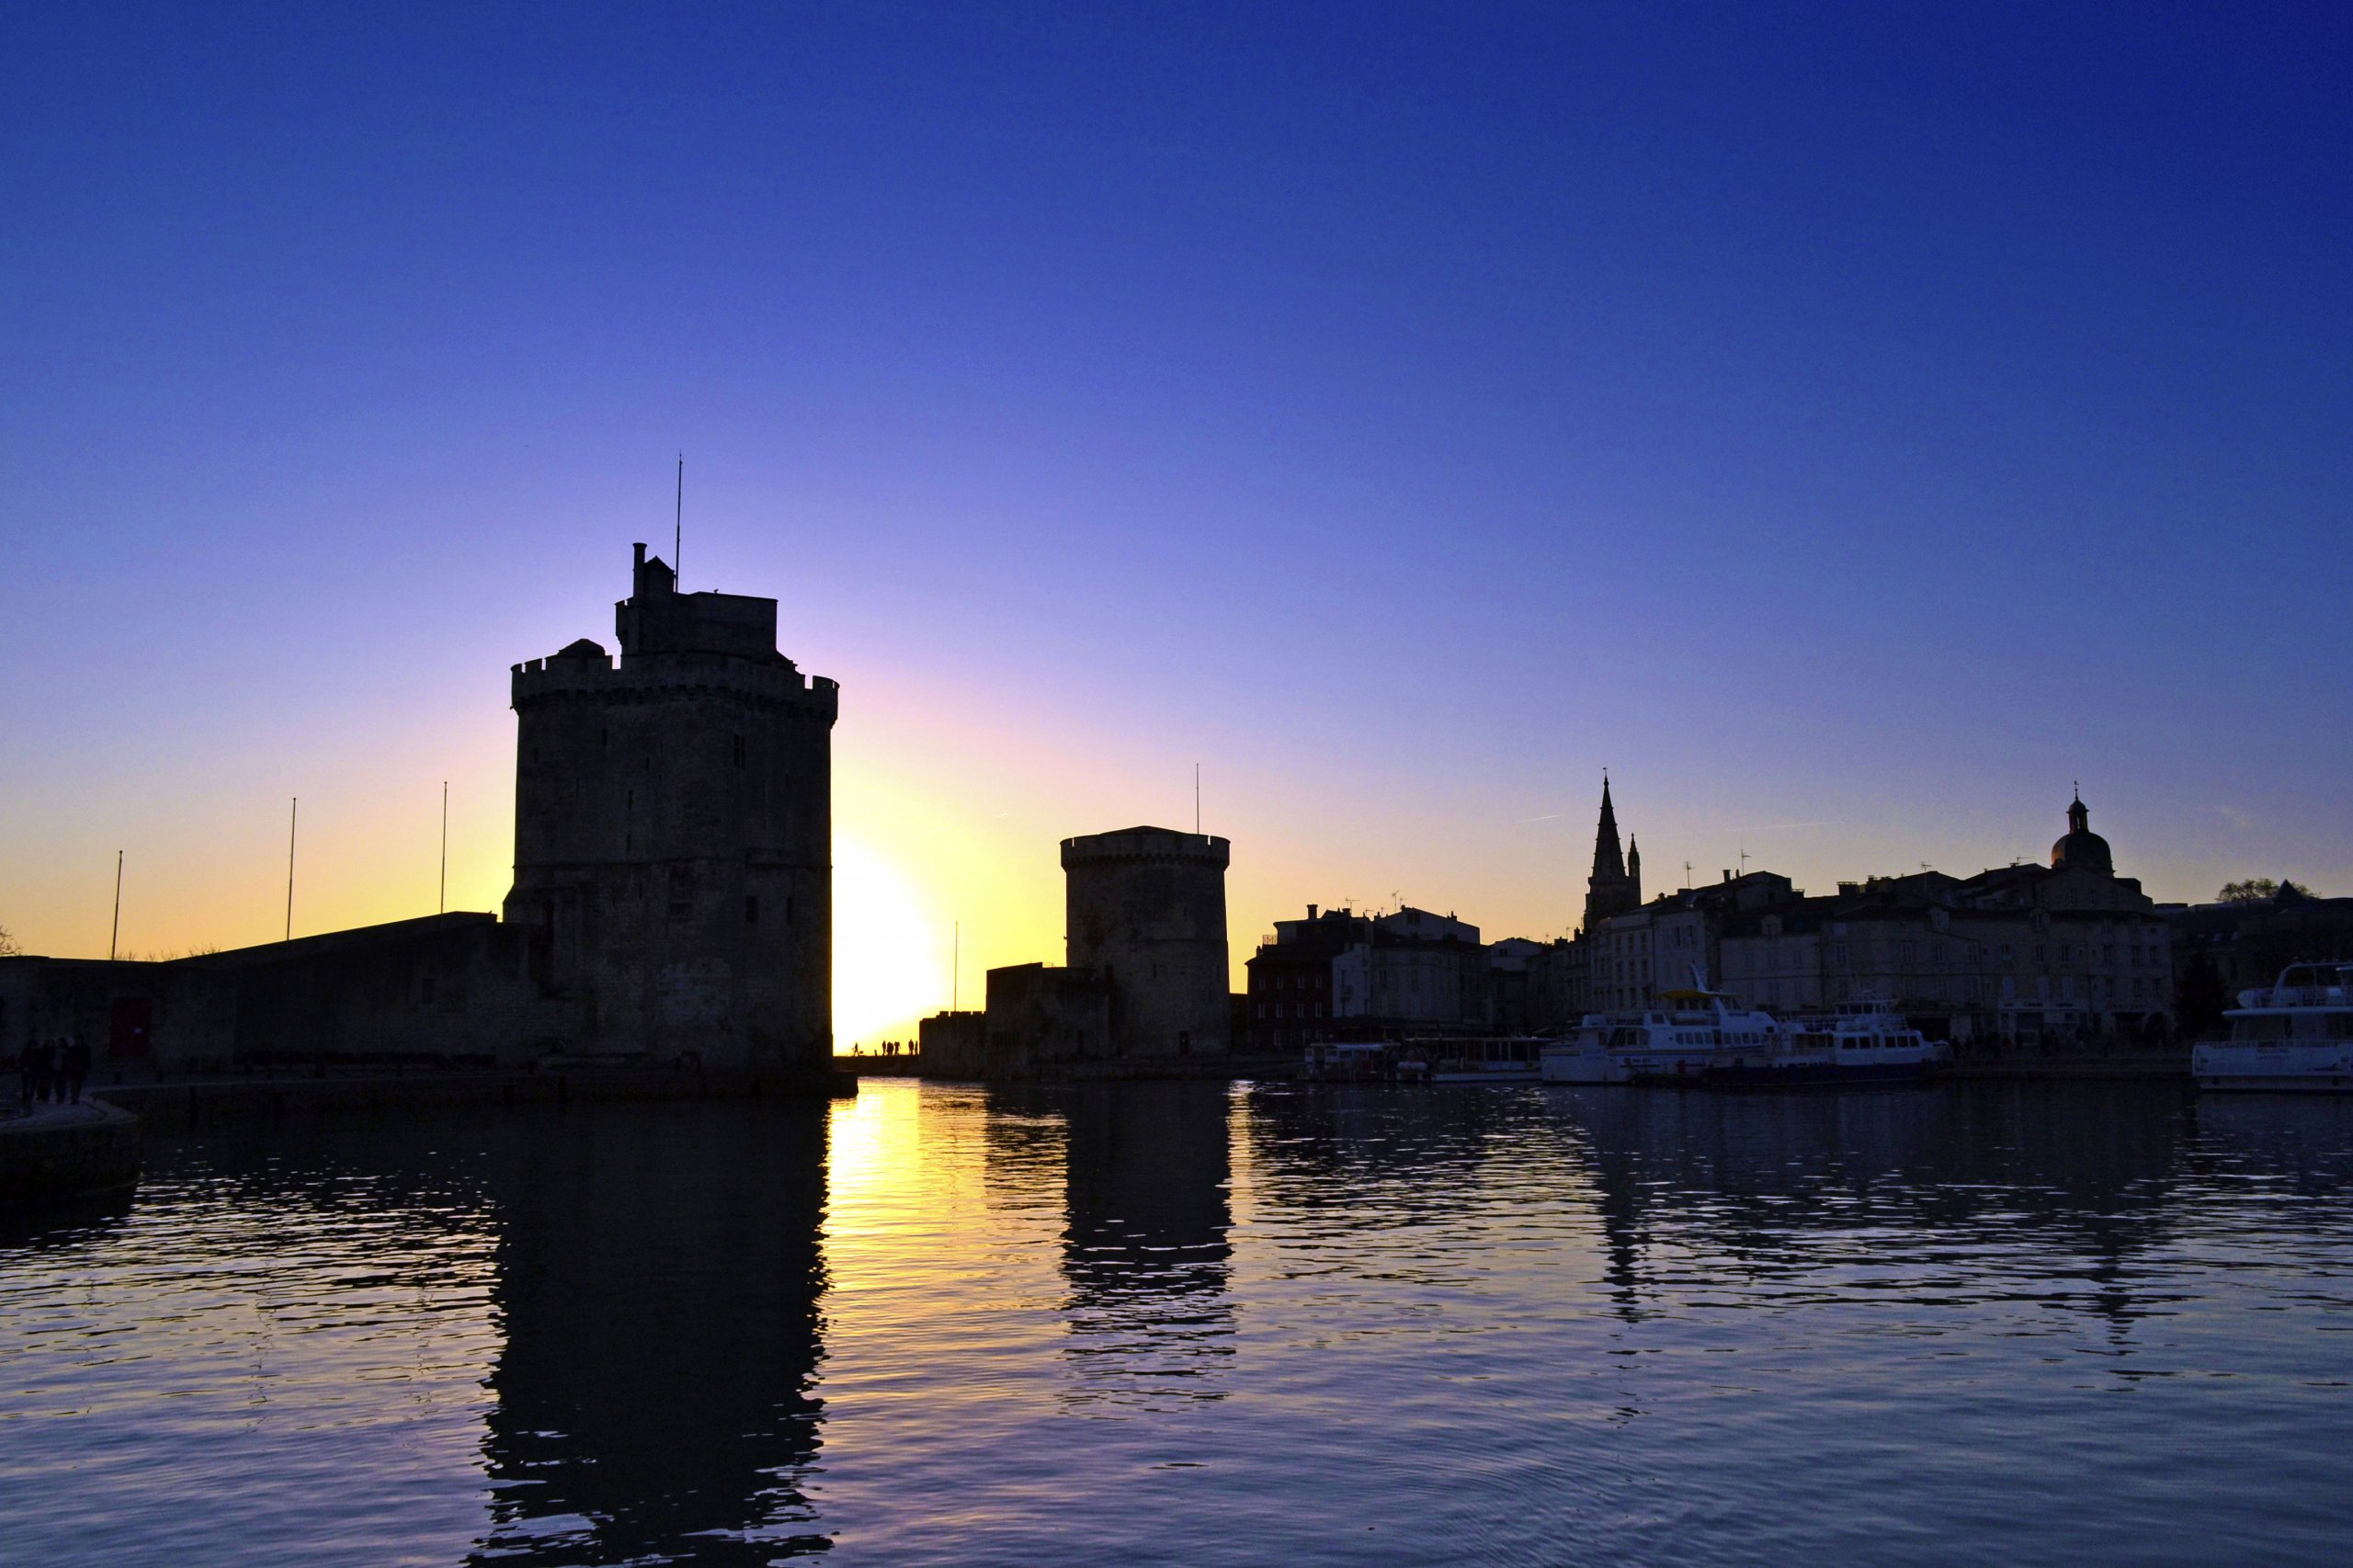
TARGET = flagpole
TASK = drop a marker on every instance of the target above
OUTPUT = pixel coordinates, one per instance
(293, 815)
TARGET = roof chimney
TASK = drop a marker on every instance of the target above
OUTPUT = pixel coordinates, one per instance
(1311, 912)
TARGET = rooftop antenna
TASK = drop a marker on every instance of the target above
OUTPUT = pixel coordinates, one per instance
(678, 527)
(1197, 800)
(116, 935)
(1743, 862)
(956, 968)
(445, 847)
(1687, 876)
(293, 815)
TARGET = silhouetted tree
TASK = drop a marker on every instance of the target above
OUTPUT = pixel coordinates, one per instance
(2258, 889)
(8, 946)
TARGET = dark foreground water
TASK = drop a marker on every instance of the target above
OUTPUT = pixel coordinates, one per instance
(1175, 1323)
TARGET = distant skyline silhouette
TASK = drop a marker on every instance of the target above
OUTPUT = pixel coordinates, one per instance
(1849, 427)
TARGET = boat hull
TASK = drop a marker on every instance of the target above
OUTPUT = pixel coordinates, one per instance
(1529, 1074)
(2322, 1068)
(2275, 1084)
(1582, 1067)
(1817, 1075)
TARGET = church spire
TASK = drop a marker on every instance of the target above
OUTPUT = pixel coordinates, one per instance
(1606, 859)
(1613, 889)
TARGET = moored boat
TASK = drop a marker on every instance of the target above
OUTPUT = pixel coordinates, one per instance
(1678, 1042)
(1860, 1042)
(1349, 1061)
(1511, 1059)
(2294, 1036)
(1584, 1057)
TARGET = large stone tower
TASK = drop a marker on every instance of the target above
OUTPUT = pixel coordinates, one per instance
(1145, 908)
(674, 833)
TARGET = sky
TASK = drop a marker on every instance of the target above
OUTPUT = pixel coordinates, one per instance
(1849, 426)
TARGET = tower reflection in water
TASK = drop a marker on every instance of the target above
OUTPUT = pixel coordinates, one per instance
(1145, 1248)
(659, 1280)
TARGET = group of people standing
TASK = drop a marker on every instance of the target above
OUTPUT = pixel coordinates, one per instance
(52, 1068)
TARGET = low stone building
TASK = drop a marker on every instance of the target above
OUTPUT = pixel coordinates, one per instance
(953, 1045)
(1039, 1015)
(443, 989)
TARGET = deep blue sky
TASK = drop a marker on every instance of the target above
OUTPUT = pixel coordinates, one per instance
(1848, 425)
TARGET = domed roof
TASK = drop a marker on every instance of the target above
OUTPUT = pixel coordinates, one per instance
(2081, 847)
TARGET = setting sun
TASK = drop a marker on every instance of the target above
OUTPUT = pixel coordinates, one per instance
(890, 952)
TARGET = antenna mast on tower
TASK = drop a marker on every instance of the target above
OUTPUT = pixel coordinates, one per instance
(677, 525)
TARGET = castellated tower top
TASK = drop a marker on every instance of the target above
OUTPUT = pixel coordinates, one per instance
(658, 620)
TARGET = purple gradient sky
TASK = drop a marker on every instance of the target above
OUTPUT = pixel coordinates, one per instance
(1848, 425)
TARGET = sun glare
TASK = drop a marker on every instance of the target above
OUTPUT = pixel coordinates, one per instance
(890, 954)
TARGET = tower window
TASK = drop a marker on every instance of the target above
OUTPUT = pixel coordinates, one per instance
(739, 751)
(751, 909)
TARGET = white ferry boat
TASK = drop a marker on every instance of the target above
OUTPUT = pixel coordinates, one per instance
(2295, 1036)
(1862, 1042)
(1670, 1044)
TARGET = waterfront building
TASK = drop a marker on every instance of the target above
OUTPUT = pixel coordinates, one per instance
(2029, 953)
(2230, 946)
(1340, 975)
(1510, 961)
(1413, 971)
(1288, 994)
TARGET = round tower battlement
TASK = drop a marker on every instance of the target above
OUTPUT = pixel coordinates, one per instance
(1147, 845)
(573, 675)
(1145, 907)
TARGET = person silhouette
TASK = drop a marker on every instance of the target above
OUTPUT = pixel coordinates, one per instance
(77, 1067)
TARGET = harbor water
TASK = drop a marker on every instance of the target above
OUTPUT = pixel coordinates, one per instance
(1194, 1324)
